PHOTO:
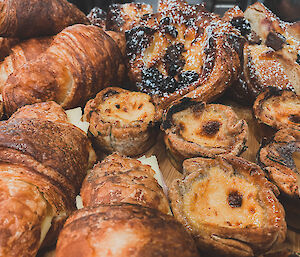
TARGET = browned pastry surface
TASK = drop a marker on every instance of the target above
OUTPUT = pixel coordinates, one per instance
(5, 46)
(122, 17)
(183, 50)
(278, 108)
(124, 230)
(44, 158)
(193, 129)
(21, 53)
(119, 179)
(281, 159)
(33, 18)
(79, 63)
(229, 206)
(122, 121)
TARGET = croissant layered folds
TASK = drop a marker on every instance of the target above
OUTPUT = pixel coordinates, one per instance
(43, 160)
(20, 54)
(79, 63)
(119, 179)
(183, 50)
(229, 206)
(32, 18)
(124, 230)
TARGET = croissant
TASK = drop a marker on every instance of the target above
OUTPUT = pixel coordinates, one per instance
(80, 62)
(32, 18)
(43, 160)
(5, 46)
(21, 53)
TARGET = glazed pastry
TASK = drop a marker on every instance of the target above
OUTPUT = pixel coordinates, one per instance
(122, 121)
(43, 161)
(124, 230)
(278, 108)
(97, 17)
(229, 206)
(34, 18)
(192, 128)
(183, 50)
(21, 53)
(80, 62)
(281, 158)
(119, 179)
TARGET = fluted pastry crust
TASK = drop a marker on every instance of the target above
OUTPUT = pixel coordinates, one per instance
(122, 121)
(182, 50)
(47, 155)
(33, 18)
(20, 54)
(280, 158)
(192, 128)
(229, 206)
(124, 230)
(79, 63)
(119, 179)
(278, 108)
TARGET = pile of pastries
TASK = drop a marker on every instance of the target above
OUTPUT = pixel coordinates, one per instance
(71, 179)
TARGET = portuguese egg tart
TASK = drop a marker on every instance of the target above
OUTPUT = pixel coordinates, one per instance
(229, 206)
(182, 50)
(120, 179)
(124, 230)
(278, 108)
(122, 121)
(193, 129)
(281, 159)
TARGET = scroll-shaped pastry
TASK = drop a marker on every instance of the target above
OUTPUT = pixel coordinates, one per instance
(20, 54)
(119, 179)
(229, 206)
(183, 50)
(122, 121)
(281, 158)
(80, 62)
(194, 129)
(124, 230)
(43, 161)
(278, 108)
(34, 18)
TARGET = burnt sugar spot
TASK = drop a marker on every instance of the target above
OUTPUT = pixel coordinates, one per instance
(235, 199)
(211, 128)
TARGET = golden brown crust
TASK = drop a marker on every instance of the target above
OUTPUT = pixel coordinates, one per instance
(193, 129)
(33, 18)
(21, 53)
(229, 206)
(50, 156)
(124, 230)
(182, 50)
(122, 121)
(280, 158)
(5, 46)
(79, 63)
(123, 180)
(278, 108)
(123, 17)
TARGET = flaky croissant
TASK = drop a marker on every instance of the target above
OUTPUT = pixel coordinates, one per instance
(21, 53)
(80, 62)
(43, 160)
(31, 18)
